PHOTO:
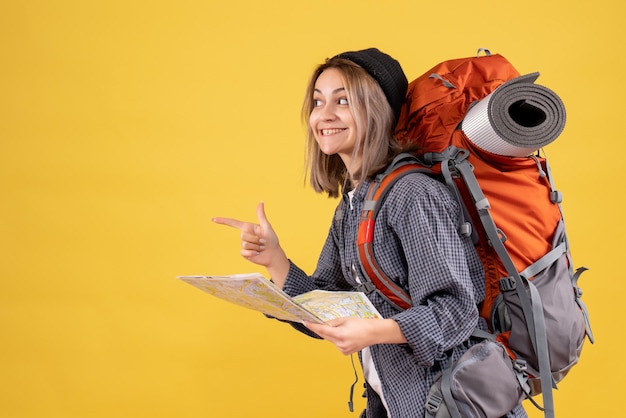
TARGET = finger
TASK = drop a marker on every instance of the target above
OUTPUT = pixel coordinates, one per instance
(328, 324)
(311, 325)
(329, 333)
(249, 254)
(251, 237)
(235, 223)
(319, 329)
(336, 322)
(252, 246)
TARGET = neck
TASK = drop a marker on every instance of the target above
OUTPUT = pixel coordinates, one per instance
(352, 166)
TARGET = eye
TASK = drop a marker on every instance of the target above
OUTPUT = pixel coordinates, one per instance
(343, 101)
(317, 103)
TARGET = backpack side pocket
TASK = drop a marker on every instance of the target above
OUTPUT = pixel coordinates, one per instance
(483, 383)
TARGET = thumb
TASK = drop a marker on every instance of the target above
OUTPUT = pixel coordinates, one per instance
(260, 214)
(336, 322)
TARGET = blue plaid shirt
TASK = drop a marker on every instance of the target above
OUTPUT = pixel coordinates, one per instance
(416, 243)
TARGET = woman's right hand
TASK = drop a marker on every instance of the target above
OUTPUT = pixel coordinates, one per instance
(259, 244)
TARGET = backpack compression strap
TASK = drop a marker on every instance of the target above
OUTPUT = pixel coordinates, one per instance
(402, 165)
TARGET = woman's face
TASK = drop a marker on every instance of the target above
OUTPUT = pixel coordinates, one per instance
(331, 120)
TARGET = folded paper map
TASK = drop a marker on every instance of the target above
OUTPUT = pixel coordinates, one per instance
(254, 291)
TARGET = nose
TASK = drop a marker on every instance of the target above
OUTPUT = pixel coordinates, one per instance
(327, 111)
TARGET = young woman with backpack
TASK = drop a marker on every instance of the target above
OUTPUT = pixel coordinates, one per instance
(352, 103)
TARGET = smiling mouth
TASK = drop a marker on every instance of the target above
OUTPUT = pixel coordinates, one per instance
(331, 131)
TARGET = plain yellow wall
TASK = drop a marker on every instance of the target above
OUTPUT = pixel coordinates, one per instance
(126, 125)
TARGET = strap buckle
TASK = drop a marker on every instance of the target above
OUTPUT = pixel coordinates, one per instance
(520, 365)
(367, 287)
(507, 284)
(433, 402)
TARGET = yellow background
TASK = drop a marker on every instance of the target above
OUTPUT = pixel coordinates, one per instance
(126, 125)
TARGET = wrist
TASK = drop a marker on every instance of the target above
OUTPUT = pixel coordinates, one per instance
(388, 332)
(278, 268)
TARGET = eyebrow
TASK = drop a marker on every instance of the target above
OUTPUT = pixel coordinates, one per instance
(339, 90)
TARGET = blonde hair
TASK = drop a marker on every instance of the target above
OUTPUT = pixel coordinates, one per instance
(376, 144)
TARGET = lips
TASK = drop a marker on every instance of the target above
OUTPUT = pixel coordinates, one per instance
(326, 132)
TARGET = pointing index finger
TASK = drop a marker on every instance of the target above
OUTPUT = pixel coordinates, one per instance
(234, 223)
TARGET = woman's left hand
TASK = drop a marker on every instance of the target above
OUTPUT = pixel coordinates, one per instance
(351, 335)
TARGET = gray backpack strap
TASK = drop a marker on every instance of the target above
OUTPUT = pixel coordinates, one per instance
(446, 391)
(580, 302)
(450, 154)
(544, 262)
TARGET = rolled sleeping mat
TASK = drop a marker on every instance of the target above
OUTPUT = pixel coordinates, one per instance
(516, 119)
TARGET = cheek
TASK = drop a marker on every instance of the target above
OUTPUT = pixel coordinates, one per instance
(348, 118)
(312, 121)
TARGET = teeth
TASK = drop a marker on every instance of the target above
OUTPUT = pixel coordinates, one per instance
(331, 131)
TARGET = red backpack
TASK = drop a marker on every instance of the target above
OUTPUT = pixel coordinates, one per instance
(480, 125)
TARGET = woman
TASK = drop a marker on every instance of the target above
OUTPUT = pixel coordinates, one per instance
(351, 105)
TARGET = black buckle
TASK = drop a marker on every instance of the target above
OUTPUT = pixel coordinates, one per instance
(507, 284)
(368, 287)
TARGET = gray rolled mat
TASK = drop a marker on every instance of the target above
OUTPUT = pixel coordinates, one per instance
(516, 119)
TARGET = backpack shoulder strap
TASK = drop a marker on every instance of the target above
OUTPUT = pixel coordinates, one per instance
(402, 165)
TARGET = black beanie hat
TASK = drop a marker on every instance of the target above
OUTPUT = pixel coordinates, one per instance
(385, 70)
